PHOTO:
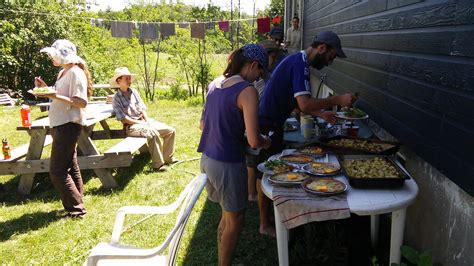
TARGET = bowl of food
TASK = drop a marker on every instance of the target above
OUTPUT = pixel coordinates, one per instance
(288, 178)
(322, 169)
(276, 166)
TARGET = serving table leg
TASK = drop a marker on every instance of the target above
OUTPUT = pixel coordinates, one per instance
(282, 239)
(396, 239)
(35, 149)
(374, 230)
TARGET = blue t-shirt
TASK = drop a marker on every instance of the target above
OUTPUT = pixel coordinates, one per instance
(289, 80)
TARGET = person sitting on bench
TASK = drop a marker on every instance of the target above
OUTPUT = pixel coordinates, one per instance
(130, 109)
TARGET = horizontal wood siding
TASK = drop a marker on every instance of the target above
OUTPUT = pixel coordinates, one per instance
(412, 62)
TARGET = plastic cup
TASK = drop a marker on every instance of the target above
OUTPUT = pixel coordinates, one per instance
(353, 131)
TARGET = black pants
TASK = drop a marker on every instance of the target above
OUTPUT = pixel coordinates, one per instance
(64, 169)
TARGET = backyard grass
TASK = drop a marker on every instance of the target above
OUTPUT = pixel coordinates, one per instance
(32, 231)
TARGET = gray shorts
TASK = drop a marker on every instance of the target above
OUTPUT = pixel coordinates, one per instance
(226, 183)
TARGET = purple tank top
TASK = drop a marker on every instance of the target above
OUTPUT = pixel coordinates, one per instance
(223, 138)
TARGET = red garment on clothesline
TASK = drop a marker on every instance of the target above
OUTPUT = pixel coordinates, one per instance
(263, 25)
(224, 26)
(276, 20)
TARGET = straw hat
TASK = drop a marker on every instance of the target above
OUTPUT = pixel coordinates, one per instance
(63, 52)
(121, 71)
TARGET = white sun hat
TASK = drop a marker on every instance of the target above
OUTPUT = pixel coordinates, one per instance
(120, 71)
(63, 52)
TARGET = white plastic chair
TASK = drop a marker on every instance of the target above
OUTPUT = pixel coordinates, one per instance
(114, 253)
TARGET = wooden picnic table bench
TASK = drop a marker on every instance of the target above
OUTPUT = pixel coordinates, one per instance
(6, 99)
(119, 155)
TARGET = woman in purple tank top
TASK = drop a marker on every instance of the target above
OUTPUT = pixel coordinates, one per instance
(230, 112)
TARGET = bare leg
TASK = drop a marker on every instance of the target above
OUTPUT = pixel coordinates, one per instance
(251, 184)
(232, 224)
(263, 206)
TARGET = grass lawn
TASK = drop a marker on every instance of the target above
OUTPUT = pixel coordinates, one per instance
(32, 232)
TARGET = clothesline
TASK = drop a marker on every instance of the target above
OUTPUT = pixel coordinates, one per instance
(113, 20)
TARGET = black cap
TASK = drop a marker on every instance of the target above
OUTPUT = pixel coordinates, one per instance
(330, 38)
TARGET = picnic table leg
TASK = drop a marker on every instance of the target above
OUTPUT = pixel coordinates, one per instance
(282, 239)
(106, 128)
(396, 238)
(34, 152)
(88, 148)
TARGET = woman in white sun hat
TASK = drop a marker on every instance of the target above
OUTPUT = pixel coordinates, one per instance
(66, 118)
(130, 109)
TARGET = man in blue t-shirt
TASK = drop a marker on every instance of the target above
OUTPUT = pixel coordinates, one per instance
(289, 88)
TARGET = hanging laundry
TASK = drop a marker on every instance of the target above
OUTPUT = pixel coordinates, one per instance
(121, 29)
(211, 25)
(167, 29)
(183, 25)
(263, 25)
(224, 26)
(148, 31)
(198, 30)
(276, 20)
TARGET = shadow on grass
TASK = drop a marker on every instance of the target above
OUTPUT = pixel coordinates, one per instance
(43, 189)
(122, 175)
(26, 223)
(252, 248)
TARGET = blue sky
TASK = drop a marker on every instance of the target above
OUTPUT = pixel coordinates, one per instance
(246, 5)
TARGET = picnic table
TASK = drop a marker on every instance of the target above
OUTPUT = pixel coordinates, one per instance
(89, 157)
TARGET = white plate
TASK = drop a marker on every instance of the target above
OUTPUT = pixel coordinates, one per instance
(311, 170)
(37, 93)
(305, 187)
(342, 116)
(288, 182)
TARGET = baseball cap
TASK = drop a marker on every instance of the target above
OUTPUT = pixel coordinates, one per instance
(330, 38)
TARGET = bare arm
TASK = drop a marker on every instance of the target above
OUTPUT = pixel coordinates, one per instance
(313, 106)
(73, 101)
(130, 121)
(144, 116)
(247, 101)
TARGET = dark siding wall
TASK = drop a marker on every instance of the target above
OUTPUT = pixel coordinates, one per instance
(412, 62)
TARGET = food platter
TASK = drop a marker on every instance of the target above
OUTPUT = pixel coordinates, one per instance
(354, 145)
(352, 113)
(373, 171)
(289, 178)
(276, 166)
(343, 115)
(322, 169)
(297, 158)
(43, 91)
(324, 186)
(314, 151)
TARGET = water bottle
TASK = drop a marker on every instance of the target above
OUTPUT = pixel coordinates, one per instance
(25, 116)
(6, 150)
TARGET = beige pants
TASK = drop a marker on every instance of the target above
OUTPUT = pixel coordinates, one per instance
(161, 152)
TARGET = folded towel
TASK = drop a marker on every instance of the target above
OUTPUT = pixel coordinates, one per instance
(297, 207)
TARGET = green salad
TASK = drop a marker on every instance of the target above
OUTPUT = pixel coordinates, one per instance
(353, 112)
